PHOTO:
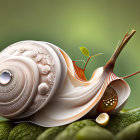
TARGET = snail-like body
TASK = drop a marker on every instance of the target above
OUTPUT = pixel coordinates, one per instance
(39, 82)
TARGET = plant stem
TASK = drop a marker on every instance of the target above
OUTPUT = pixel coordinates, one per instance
(130, 75)
(87, 62)
(80, 60)
(111, 62)
(90, 58)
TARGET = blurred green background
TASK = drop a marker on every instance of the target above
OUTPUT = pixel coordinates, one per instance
(96, 24)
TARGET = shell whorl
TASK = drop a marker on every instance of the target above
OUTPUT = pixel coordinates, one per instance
(34, 78)
(18, 94)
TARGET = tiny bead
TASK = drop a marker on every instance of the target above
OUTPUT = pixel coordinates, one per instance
(43, 88)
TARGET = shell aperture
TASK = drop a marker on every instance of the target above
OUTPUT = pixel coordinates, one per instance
(109, 100)
(45, 88)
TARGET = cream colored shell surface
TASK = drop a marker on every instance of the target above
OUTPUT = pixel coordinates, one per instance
(36, 73)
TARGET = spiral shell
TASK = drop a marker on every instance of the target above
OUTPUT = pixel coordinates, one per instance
(34, 78)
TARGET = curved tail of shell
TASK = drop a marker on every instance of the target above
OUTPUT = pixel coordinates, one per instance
(79, 96)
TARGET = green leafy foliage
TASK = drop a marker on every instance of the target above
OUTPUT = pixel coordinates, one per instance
(85, 51)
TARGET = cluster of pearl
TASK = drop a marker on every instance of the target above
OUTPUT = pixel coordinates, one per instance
(45, 65)
(110, 97)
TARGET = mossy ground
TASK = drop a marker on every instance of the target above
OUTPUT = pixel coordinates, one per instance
(119, 128)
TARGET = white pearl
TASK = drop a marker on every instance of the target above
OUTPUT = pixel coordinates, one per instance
(29, 54)
(43, 88)
(21, 50)
(44, 61)
(46, 69)
(38, 58)
(33, 54)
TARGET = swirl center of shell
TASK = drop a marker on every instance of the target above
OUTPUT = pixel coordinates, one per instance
(5, 77)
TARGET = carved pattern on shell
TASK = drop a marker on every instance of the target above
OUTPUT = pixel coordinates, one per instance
(38, 54)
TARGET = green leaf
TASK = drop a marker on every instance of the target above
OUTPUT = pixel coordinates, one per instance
(85, 51)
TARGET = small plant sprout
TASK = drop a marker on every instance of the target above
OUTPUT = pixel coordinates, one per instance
(85, 51)
(79, 72)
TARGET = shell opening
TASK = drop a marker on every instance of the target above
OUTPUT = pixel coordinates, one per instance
(123, 91)
(109, 101)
